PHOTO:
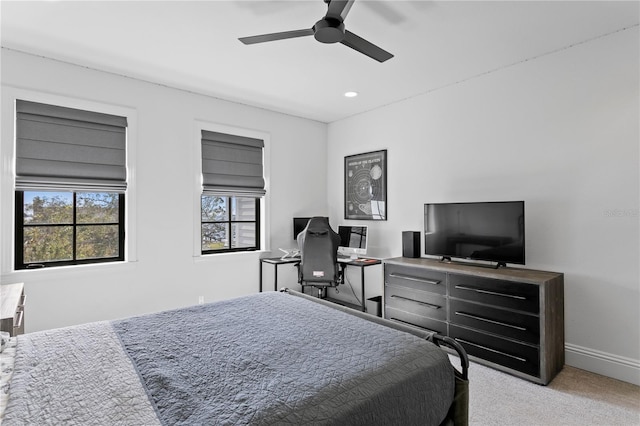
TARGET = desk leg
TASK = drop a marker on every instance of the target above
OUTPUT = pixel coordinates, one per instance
(260, 286)
(362, 283)
(275, 277)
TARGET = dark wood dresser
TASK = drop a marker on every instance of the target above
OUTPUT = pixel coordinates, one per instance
(509, 318)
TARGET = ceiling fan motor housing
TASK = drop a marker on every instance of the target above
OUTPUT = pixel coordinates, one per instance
(329, 30)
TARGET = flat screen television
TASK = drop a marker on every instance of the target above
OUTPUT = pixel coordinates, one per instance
(353, 241)
(487, 231)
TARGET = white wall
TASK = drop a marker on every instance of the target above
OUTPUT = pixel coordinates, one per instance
(561, 133)
(166, 273)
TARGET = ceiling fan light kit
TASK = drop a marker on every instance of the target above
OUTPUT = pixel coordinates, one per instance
(330, 29)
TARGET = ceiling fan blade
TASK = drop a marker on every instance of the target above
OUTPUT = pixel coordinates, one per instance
(363, 46)
(339, 9)
(276, 36)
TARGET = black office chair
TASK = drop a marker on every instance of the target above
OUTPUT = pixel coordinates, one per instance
(318, 245)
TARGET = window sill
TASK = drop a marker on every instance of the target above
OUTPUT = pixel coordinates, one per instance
(70, 270)
(225, 257)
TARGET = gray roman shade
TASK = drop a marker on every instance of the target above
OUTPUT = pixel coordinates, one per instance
(62, 148)
(232, 165)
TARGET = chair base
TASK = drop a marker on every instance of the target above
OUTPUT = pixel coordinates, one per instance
(321, 290)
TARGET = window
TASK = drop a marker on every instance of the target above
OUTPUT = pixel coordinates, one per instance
(232, 189)
(70, 186)
(230, 223)
(68, 228)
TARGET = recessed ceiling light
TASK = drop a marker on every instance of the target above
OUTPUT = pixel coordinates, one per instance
(351, 94)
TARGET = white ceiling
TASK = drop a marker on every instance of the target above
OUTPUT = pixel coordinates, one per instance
(194, 45)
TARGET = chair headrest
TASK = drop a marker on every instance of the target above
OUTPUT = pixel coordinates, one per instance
(318, 231)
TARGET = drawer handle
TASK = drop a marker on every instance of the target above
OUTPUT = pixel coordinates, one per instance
(410, 278)
(504, 324)
(18, 323)
(493, 293)
(23, 299)
(466, 342)
(428, 305)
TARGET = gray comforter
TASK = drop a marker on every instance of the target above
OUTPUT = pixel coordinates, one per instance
(265, 359)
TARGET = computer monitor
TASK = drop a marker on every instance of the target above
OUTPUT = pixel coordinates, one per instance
(299, 223)
(353, 241)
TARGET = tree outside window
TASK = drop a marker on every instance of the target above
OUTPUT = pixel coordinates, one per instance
(229, 223)
(63, 228)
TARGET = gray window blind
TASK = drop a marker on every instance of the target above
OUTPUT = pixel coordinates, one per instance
(232, 165)
(62, 148)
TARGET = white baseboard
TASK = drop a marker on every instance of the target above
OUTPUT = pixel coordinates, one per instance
(610, 365)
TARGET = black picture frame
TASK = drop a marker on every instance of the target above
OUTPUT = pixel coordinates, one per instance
(365, 186)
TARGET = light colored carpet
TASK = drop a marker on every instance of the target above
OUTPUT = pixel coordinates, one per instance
(574, 397)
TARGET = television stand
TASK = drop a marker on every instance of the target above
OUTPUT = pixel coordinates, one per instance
(510, 319)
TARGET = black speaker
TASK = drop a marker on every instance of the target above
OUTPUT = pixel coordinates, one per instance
(410, 244)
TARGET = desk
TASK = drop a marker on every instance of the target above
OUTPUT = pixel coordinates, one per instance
(359, 263)
(276, 261)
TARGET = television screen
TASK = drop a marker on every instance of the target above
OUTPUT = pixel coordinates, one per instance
(490, 231)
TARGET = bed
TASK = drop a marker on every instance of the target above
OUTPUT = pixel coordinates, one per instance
(273, 358)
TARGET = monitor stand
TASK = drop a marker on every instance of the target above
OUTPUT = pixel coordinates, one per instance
(347, 254)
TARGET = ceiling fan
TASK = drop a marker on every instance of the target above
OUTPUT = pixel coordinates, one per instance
(329, 29)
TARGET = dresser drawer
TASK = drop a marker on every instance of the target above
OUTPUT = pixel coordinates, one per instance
(415, 278)
(415, 320)
(416, 301)
(505, 294)
(517, 356)
(519, 326)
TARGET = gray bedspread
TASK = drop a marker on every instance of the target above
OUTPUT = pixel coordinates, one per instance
(265, 359)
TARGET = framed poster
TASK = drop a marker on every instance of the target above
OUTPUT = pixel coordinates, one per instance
(365, 186)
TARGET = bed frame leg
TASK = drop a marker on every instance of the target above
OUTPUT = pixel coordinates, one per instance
(462, 354)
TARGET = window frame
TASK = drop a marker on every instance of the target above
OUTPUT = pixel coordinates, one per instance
(265, 201)
(20, 227)
(230, 222)
(8, 97)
